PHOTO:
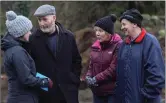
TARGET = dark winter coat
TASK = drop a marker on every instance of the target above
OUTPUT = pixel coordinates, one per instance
(21, 72)
(63, 66)
(103, 60)
(140, 71)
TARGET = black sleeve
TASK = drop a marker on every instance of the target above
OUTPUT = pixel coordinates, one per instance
(76, 58)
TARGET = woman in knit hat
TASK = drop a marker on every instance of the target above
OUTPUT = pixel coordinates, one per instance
(19, 66)
(101, 73)
(140, 70)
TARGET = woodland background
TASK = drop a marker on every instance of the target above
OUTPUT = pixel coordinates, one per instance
(79, 17)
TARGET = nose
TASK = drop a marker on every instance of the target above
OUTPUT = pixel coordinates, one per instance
(122, 27)
(97, 33)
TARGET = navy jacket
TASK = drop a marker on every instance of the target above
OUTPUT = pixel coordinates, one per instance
(140, 70)
(21, 72)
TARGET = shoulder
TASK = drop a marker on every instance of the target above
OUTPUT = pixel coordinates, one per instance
(151, 40)
(15, 49)
(69, 33)
(117, 40)
(16, 52)
(150, 37)
(62, 30)
(119, 43)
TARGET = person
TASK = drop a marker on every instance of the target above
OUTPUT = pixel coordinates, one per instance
(18, 64)
(55, 53)
(140, 70)
(101, 73)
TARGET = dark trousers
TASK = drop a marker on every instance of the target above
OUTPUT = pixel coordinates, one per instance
(103, 99)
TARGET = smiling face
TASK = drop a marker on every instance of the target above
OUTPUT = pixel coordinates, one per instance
(101, 35)
(127, 27)
(47, 23)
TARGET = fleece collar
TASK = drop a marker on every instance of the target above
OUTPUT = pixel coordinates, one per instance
(138, 39)
(113, 39)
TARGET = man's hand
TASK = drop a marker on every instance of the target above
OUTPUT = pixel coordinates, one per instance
(46, 82)
(50, 83)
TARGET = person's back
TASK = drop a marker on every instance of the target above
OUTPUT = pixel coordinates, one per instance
(16, 80)
(18, 64)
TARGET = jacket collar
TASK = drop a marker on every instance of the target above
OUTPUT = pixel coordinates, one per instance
(113, 40)
(138, 39)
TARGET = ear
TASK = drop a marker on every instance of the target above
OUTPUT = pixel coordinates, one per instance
(135, 25)
(54, 17)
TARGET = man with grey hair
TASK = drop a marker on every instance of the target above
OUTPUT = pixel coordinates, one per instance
(56, 55)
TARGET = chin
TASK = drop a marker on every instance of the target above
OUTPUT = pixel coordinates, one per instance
(45, 30)
(126, 34)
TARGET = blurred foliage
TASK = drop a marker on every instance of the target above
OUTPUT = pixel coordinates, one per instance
(80, 16)
(22, 8)
(75, 15)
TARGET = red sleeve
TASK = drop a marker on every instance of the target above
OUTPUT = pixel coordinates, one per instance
(89, 72)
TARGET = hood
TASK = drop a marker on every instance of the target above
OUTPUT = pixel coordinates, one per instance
(114, 39)
(8, 41)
